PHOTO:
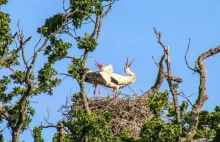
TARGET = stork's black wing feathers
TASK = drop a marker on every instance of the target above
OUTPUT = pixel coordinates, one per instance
(114, 80)
(99, 77)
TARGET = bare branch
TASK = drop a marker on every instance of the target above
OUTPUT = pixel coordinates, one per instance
(132, 90)
(202, 96)
(155, 88)
(23, 56)
(184, 96)
(99, 28)
(173, 89)
(173, 78)
(174, 92)
(92, 20)
(155, 62)
(70, 34)
(186, 58)
(96, 26)
(158, 35)
(109, 8)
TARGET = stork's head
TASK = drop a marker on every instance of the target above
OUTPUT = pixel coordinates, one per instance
(127, 68)
(108, 69)
(128, 65)
(100, 66)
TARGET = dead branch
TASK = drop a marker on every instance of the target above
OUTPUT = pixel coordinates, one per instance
(22, 44)
(132, 90)
(202, 96)
(155, 61)
(173, 89)
(111, 2)
(186, 61)
(174, 78)
(155, 88)
(159, 35)
(186, 97)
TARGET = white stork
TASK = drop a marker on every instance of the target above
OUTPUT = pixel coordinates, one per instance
(95, 78)
(108, 69)
(119, 81)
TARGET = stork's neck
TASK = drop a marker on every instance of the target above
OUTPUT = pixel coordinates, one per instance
(129, 72)
(108, 69)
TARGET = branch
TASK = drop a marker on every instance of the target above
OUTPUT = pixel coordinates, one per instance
(173, 78)
(174, 93)
(96, 33)
(97, 22)
(186, 58)
(173, 89)
(45, 43)
(132, 90)
(159, 35)
(155, 62)
(186, 97)
(111, 2)
(155, 88)
(4, 113)
(202, 96)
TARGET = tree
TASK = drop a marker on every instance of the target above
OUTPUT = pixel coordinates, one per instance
(155, 117)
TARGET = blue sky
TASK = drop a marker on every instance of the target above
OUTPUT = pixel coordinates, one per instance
(128, 31)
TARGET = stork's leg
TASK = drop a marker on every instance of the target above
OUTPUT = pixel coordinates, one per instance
(100, 89)
(115, 92)
(116, 95)
(94, 93)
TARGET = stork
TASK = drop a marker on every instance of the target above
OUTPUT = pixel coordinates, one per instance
(96, 78)
(108, 69)
(119, 81)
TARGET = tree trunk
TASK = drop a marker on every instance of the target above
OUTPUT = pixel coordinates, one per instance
(61, 132)
(15, 136)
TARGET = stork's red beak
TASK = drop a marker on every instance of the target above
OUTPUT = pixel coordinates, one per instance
(98, 65)
(129, 65)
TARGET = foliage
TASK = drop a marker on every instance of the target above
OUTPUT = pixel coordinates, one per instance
(67, 138)
(47, 79)
(158, 103)
(84, 10)
(57, 50)
(51, 25)
(3, 2)
(1, 138)
(77, 69)
(5, 36)
(88, 43)
(18, 88)
(158, 130)
(37, 134)
(94, 126)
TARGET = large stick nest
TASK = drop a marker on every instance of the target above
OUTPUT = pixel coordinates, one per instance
(128, 114)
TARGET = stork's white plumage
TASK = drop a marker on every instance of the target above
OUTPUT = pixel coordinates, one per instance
(108, 69)
(117, 80)
(96, 78)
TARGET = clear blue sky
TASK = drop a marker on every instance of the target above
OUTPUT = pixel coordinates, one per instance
(128, 31)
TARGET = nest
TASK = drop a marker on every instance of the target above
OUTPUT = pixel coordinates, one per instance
(128, 114)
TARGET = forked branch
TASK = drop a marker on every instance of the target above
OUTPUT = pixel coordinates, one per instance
(172, 87)
(202, 96)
